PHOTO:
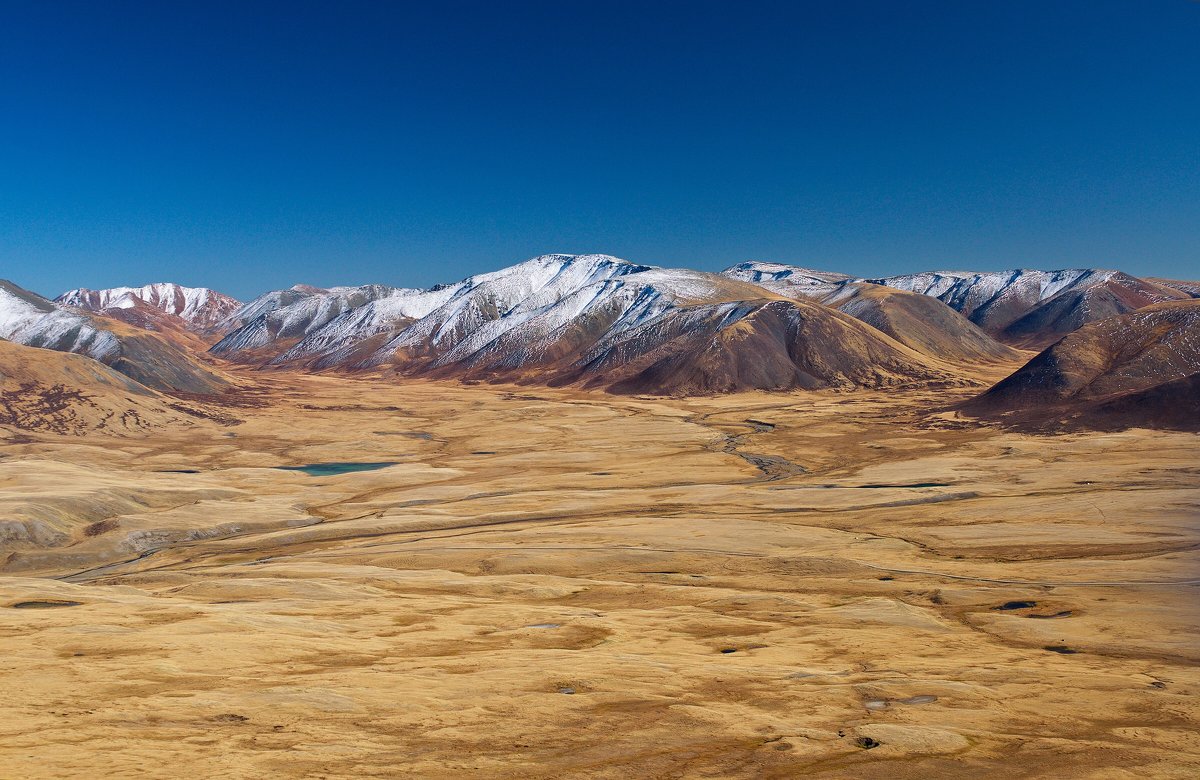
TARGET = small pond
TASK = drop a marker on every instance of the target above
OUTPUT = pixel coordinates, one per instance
(333, 469)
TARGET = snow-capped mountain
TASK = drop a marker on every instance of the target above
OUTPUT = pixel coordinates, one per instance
(282, 317)
(602, 299)
(267, 303)
(535, 297)
(29, 319)
(199, 307)
(595, 320)
(324, 321)
(994, 295)
(515, 316)
(1032, 307)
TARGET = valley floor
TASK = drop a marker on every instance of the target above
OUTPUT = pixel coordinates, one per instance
(553, 584)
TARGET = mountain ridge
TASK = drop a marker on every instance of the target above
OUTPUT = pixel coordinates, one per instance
(200, 308)
(601, 322)
(33, 321)
(1033, 308)
(918, 321)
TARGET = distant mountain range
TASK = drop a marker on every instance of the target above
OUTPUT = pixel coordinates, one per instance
(596, 321)
(592, 320)
(1036, 308)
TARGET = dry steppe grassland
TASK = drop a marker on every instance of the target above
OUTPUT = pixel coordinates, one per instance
(552, 583)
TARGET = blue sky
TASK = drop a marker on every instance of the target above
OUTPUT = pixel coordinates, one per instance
(249, 146)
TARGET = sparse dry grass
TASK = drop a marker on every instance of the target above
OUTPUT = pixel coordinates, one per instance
(549, 583)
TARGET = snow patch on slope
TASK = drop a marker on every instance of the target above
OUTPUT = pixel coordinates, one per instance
(29, 319)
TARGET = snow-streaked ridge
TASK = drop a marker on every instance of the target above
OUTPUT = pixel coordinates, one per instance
(764, 273)
(538, 312)
(29, 319)
(197, 306)
(513, 316)
(294, 313)
(789, 280)
(968, 291)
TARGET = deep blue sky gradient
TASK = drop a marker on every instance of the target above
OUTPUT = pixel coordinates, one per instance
(253, 145)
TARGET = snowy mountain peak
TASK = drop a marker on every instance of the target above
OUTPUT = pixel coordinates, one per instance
(199, 307)
(759, 272)
(561, 271)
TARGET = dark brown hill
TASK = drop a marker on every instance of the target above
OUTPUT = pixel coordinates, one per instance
(920, 322)
(754, 345)
(1138, 368)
